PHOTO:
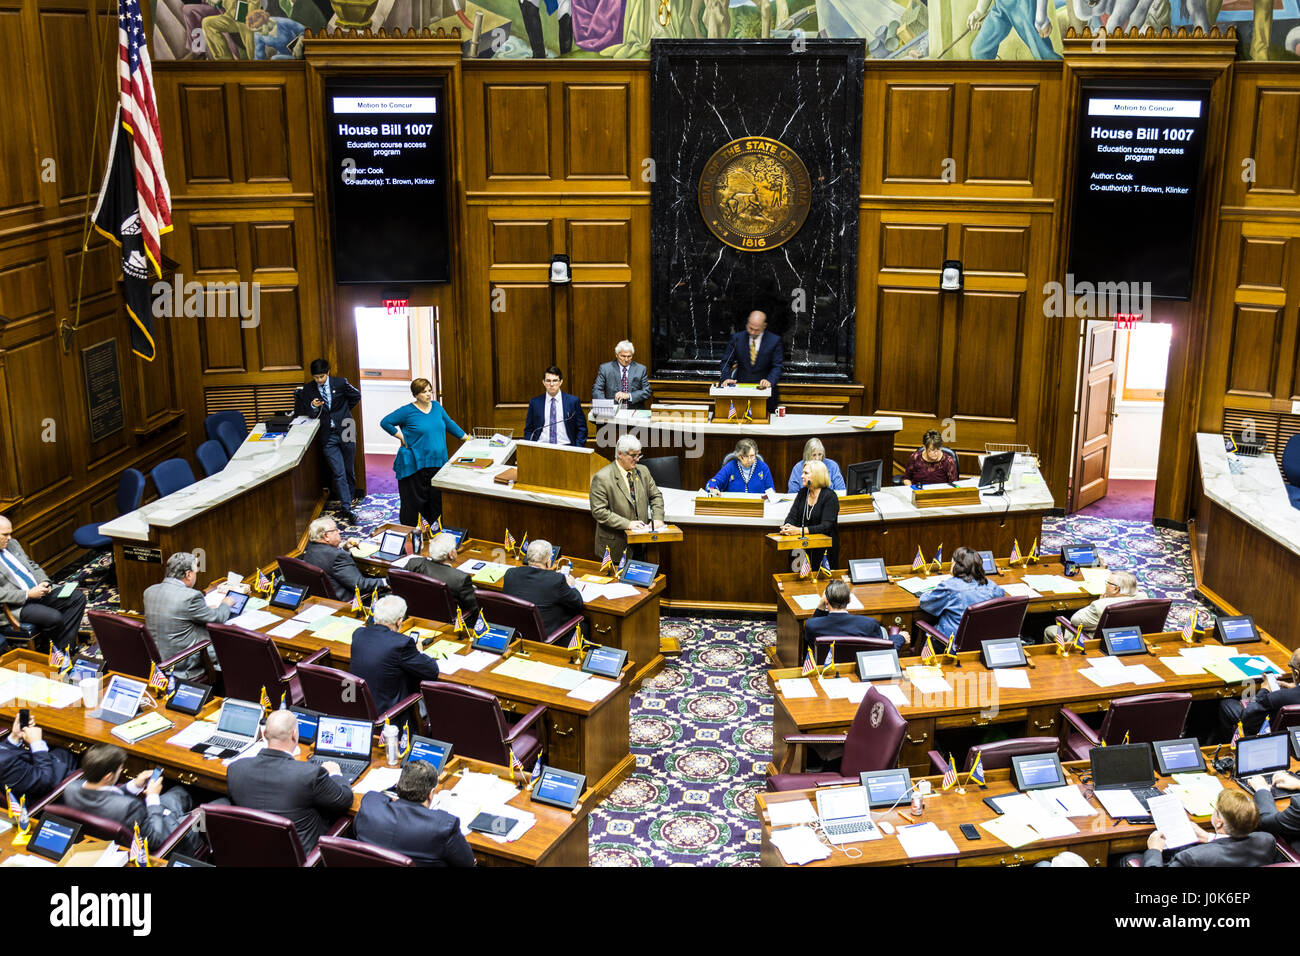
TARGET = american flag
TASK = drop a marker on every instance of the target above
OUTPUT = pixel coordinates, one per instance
(950, 775)
(140, 117)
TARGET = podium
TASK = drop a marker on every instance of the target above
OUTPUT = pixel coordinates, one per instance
(742, 397)
(564, 470)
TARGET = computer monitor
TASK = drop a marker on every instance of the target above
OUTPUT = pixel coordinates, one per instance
(1265, 754)
(864, 477)
(868, 571)
(1003, 652)
(288, 596)
(1082, 553)
(640, 573)
(1121, 641)
(495, 639)
(1236, 629)
(879, 665)
(886, 788)
(987, 560)
(1121, 767)
(54, 836)
(604, 661)
(1179, 756)
(433, 752)
(559, 788)
(996, 469)
(1037, 771)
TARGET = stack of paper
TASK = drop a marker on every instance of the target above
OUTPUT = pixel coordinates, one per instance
(1012, 831)
(490, 573)
(338, 629)
(1121, 803)
(928, 680)
(1094, 580)
(254, 620)
(792, 687)
(892, 693)
(313, 612)
(925, 839)
(195, 733)
(1052, 582)
(1064, 801)
(365, 549)
(1020, 589)
(799, 845)
(1197, 792)
(838, 687)
(790, 812)
(377, 778)
(475, 660)
(1028, 811)
(594, 689)
(1011, 678)
(289, 628)
(1171, 819)
(915, 585)
(34, 689)
(443, 648)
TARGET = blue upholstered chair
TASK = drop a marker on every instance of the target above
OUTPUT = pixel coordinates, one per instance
(231, 437)
(172, 475)
(212, 457)
(213, 422)
(130, 490)
(1291, 469)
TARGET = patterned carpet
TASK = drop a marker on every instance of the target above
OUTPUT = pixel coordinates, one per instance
(701, 730)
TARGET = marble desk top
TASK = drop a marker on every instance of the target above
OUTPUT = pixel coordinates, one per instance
(892, 504)
(1257, 495)
(254, 462)
(799, 426)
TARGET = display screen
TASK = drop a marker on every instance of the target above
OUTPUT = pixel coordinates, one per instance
(1004, 653)
(53, 837)
(239, 718)
(351, 737)
(388, 169)
(306, 726)
(887, 787)
(392, 542)
(1237, 630)
(123, 695)
(1037, 771)
(1179, 755)
(238, 601)
(188, 696)
(1123, 640)
(878, 665)
(558, 788)
(1082, 556)
(864, 570)
(605, 661)
(288, 596)
(432, 752)
(495, 640)
(1261, 754)
(640, 573)
(1137, 173)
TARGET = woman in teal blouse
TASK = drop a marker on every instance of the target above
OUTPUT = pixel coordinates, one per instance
(422, 428)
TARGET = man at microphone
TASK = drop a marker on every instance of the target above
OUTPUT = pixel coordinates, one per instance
(624, 497)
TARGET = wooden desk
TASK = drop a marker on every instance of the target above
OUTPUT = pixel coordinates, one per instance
(977, 702)
(71, 859)
(581, 736)
(630, 623)
(558, 839)
(892, 605)
(235, 533)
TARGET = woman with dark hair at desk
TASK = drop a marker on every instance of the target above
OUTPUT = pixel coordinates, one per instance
(930, 464)
(743, 471)
(816, 510)
(968, 585)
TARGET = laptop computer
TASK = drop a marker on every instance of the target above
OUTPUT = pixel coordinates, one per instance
(121, 700)
(845, 814)
(346, 743)
(1264, 755)
(237, 726)
(432, 752)
(1124, 767)
(392, 545)
(887, 788)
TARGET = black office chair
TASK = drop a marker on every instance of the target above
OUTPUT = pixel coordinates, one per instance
(666, 471)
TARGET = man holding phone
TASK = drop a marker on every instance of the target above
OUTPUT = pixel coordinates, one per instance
(25, 589)
(28, 766)
(139, 801)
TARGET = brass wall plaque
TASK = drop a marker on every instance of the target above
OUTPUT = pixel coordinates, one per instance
(754, 193)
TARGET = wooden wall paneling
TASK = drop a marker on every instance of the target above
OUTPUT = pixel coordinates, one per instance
(524, 334)
(266, 155)
(987, 361)
(517, 131)
(1264, 114)
(202, 136)
(920, 132)
(20, 192)
(908, 352)
(597, 131)
(599, 316)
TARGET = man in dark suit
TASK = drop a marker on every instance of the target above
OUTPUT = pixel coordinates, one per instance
(309, 794)
(1281, 823)
(554, 593)
(441, 565)
(325, 549)
(331, 399)
(555, 417)
(408, 826)
(25, 588)
(387, 660)
(139, 802)
(1239, 843)
(28, 766)
(832, 619)
(1266, 704)
(754, 355)
(622, 380)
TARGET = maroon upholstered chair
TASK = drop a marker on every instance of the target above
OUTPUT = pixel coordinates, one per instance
(340, 694)
(1288, 853)
(340, 851)
(45, 801)
(472, 721)
(523, 616)
(1144, 718)
(1146, 614)
(1287, 717)
(129, 648)
(299, 572)
(874, 741)
(250, 661)
(241, 836)
(424, 596)
(847, 647)
(102, 828)
(997, 755)
(985, 621)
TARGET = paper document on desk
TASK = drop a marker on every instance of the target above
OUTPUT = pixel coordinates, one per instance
(490, 573)
(517, 667)
(594, 689)
(477, 660)
(925, 839)
(1011, 678)
(523, 821)
(1069, 801)
(443, 648)
(33, 689)
(1020, 589)
(566, 678)
(196, 732)
(313, 612)
(1171, 819)
(1094, 580)
(403, 561)
(808, 602)
(289, 628)
(799, 845)
(916, 585)
(19, 859)
(1254, 666)
(788, 813)
(377, 778)
(1227, 671)
(1121, 803)
(1012, 831)
(254, 620)
(364, 549)
(1031, 812)
(1103, 678)
(338, 629)
(617, 590)
(927, 680)
(1197, 792)
(1181, 666)
(1141, 674)
(836, 687)
(891, 692)
(793, 687)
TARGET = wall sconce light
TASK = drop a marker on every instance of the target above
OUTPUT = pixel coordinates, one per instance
(950, 279)
(560, 270)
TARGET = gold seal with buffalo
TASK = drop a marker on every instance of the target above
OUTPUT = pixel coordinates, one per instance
(754, 193)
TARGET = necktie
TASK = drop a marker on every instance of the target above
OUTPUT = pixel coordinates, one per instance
(625, 388)
(16, 566)
(325, 397)
(554, 416)
(631, 492)
(753, 350)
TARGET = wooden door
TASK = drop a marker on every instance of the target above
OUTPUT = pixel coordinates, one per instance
(1096, 405)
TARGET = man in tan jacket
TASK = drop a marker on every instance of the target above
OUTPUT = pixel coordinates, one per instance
(1120, 586)
(623, 496)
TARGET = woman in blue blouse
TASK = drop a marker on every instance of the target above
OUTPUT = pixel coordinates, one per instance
(422, 428)
(967, 586)
(742, 472)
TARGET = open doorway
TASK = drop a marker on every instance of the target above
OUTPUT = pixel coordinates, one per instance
(394, 347)
(1124, 486)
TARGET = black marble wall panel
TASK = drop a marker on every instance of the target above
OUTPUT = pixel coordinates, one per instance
(704, 94)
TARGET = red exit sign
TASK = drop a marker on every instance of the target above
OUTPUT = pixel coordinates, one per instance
(1127, 320)
(396, 306)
